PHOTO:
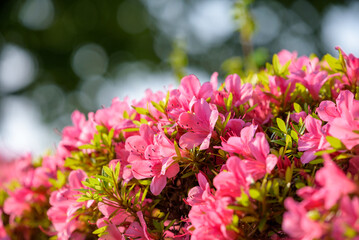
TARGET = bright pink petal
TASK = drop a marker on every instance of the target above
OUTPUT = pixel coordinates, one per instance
(214, 81)
(190, 86)
(271, 162)
(206, 142)
(158, 184)
(75, 179)
(142, 169)
(327, 111)
(246, 92)
(259, 147)
(190, 140)
(233, 83)
(205, 91)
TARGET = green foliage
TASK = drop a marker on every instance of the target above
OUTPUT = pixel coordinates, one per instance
(97, 154)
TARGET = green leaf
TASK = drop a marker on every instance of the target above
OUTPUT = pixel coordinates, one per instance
(288, 141)
(87, 146)
(140, 110)
(145, 182)
(125, 115)
(178, 152)
(313, 215)
(281, 125)
(299, 185)
(249, 219)
(335, 143)
(169, 225)
(243, 200)
(188, 174)
(294, 135)
(158, 107)
(251, 108)
(297, 107)
(329, 151)
(144, 194)
(100, 230)
(131, 130)
(107, 170)
(167, 99)
(255, 194)
(333, 63)
(228, 101)
(289, 174)
(276, 64)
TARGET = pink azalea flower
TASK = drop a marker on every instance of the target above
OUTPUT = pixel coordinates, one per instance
(241, 93)
(198, 194)
(191, 87)
(314, 140)
(352, 68)
(211, 218)
(284, 56)
(234, 180)
(64, 206)
(279, 86)
(331, 186)
(149, 158)
(200, 124)
(18, 202)
(262, 113)
(348, 217)
(234, 127)
(146, 103)
(112, 117)
(112, 220)
(81, 133)
(343, 118)
(255, 151)
(312, 78)
(177, 104)
(240, 145)
(112, 231)
(262, 162)
(297, 116)
(297, 224)
(138, 230)
(333, 182)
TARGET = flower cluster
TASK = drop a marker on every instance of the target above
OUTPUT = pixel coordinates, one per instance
(273, 155)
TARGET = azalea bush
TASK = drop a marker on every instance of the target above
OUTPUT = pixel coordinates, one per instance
(270, 155)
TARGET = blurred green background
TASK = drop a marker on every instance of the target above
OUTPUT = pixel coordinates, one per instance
(59, 55)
